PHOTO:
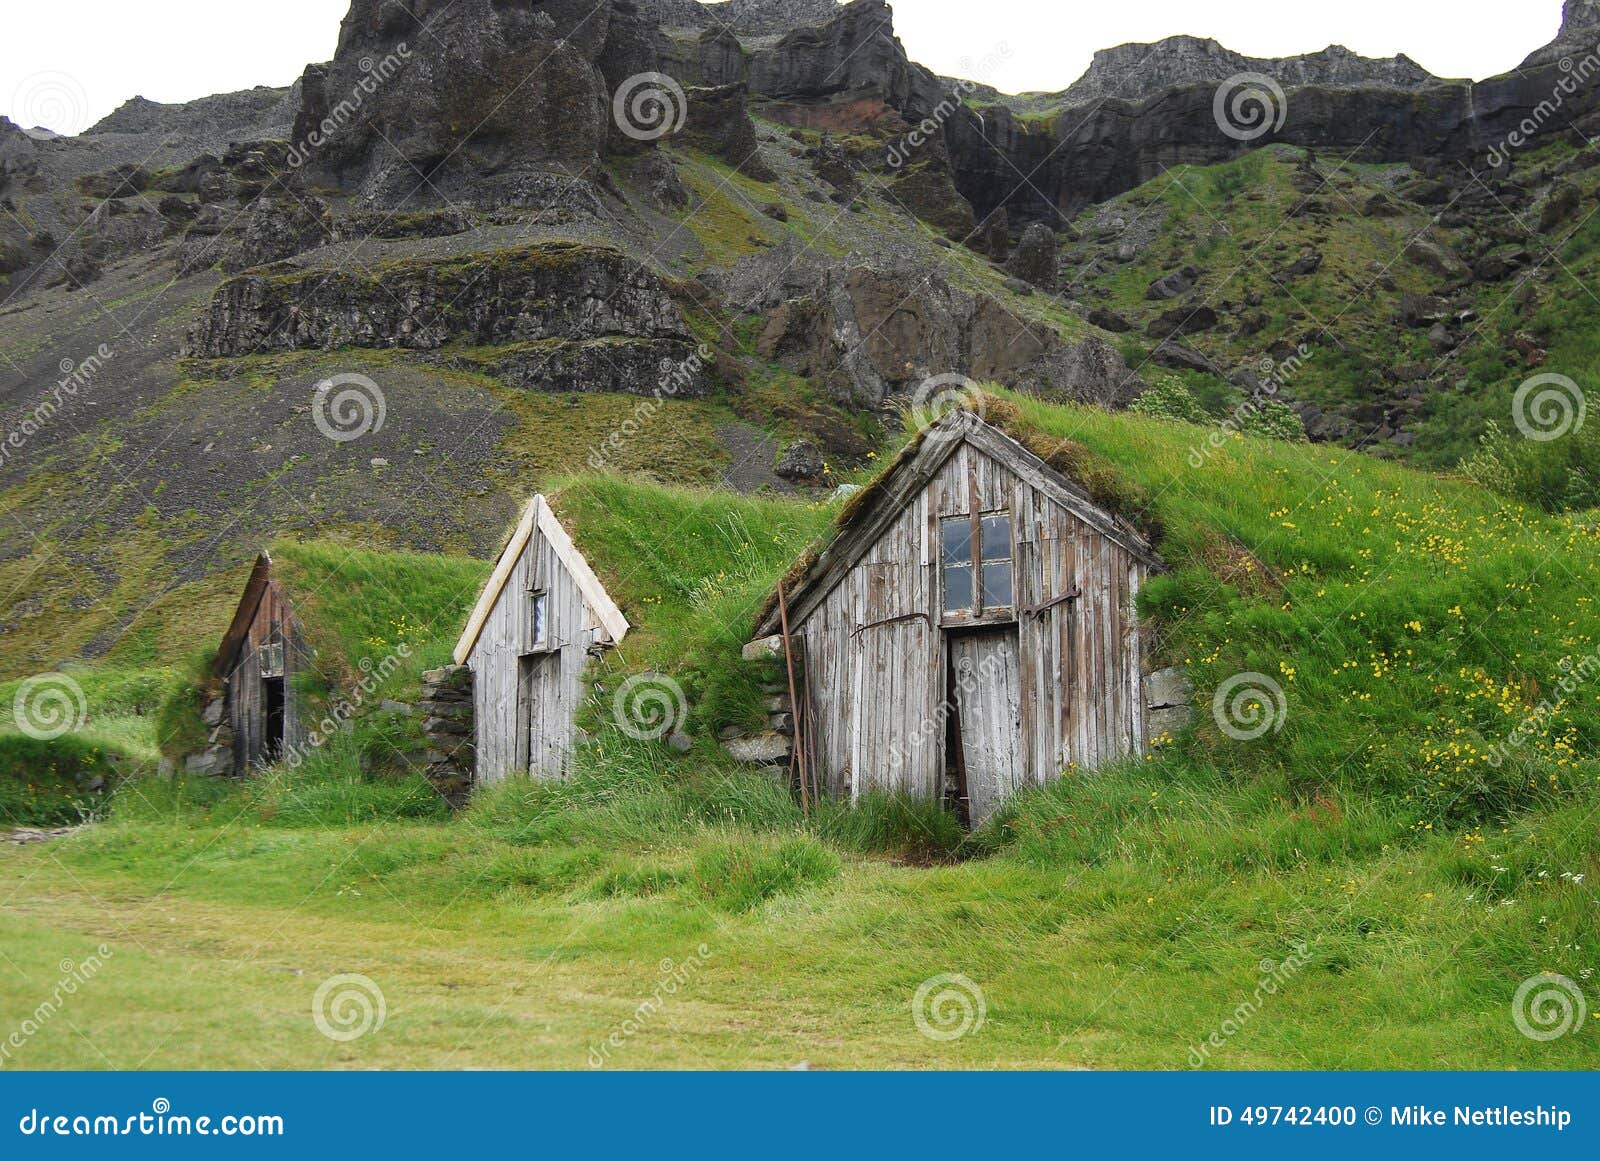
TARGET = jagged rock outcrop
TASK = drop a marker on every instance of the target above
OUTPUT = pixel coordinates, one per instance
(719, 122)
(748, 18)
(1580, 34)
(1037, 258)
(250, 114)
(870, 333)
(1134, 72)
(708, 58)
(267, 230)
(855, 54)
(475, 95)
(560, 292)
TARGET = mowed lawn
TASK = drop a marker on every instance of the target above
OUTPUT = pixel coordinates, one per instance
(489, 956)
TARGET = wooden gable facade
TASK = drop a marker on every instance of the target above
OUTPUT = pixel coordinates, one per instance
(542, 616)
(971, 628)
(262, 651)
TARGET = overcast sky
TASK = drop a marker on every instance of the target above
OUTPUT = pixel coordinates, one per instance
(67, 63)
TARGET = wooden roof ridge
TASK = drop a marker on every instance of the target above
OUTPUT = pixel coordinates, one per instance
(254, 589)
(538, 515)
(862, 523)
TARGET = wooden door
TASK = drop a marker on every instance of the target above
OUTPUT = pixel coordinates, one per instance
(543, 726)
(986, 691)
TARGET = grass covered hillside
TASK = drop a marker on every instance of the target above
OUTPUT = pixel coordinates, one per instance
(1410, 835)
(1398, 311)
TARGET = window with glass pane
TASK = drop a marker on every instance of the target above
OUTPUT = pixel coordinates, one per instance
(975, 581)
(537, 615)
(996, 561)
(955, 557)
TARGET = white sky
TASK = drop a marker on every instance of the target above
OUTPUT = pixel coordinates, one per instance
(67, 63)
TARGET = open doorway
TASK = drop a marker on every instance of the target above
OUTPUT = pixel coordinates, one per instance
(273, 704)
(984, 739)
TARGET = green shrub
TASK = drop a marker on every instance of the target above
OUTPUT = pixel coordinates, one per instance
(1559, 475)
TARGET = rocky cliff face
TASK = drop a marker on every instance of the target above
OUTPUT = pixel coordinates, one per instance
(1580, 33)
(561, 312)
(746, 18)
(1134, 72)
(474, 95)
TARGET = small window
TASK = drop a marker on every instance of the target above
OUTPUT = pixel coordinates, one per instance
(976, 585)
(538, 619)
(272, 659)
(955, 558)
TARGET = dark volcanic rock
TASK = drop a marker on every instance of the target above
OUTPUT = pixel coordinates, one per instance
(1183, 320)
(554, 291)
(1182, 358)
(472, 94)
(800, 461)
(1091, 371)
(1136, 71)
(856, 51)
(719, 123)
(1174, 285)
(270, 230)
(1037, 258)
(1108, 320)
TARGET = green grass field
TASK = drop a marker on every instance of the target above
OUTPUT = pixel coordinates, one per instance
(1365, 888)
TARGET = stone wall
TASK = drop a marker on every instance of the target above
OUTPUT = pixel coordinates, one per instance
(217, 756)
(772, 748)
(447, 724)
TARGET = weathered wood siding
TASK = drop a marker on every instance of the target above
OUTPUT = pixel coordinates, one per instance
(525, 713)
(878, 655)
(272, 623)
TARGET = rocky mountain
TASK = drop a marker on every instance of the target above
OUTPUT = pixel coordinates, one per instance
(1579, 33)
(545, 236)
(1136, 72)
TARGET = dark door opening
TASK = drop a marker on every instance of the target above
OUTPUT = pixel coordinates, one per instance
(984, 744)
(273, 706)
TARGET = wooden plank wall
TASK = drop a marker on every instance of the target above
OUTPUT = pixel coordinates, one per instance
(878, 688)
(505, 723)
(247, 709)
